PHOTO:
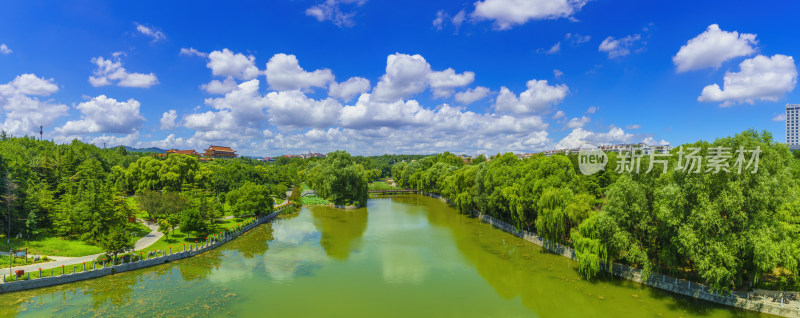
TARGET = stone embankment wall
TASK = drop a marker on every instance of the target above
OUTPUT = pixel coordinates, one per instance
(660, 281)
(166, 256)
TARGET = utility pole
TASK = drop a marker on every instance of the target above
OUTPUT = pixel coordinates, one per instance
(41, 132)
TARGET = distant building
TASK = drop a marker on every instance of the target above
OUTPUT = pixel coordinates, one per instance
(183, 152)
(792, 128)
(219, 152)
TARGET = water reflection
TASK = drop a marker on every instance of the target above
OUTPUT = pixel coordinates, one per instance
(295, 248)
(341, 230)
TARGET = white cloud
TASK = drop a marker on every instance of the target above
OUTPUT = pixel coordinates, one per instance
(24, 113)
(348, 89)
(508, 13)
(293, 108)
(438, 22)
(578, 122)
(168, 120)
(557, 73)
(559, 114)
(442, 18)
(779, 117)
(151, 32)
(103, 114)
(580, 136)
(652, 142)
(30, 84)
(220, 87)
(592, 109)
(226, 63)
(619, 47)
(577, 39)
(537, 97)
(713, 47)
(4, 49)
(471, 95)
(760, 78)
(284, 73)
(332, 10)
(192, 52)
(554, 49)
(634, 126)
(109, 71)
(443, 82)
(406, 75)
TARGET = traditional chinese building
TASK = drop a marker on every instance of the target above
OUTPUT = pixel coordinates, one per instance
(219, 152)
(191, 152)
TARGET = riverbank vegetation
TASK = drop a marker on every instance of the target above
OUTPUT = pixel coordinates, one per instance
(727, 229)
(339, 178)
(72, 199)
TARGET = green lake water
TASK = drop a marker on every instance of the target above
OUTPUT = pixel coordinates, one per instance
(408, 256)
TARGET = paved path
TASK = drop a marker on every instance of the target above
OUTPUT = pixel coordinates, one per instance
(142, 243)
(150, 238)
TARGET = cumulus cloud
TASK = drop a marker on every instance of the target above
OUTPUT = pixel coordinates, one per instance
(4, 49)
(592, 109)
(538, 97)
(652, 142)
(508, 13)
(168, 120)
(103, 114)
(192, 52)
(578, 122)
(350, 88)
(619, 47)
(150, 32)
(471, 95)
(713, 47)
(23, 111)
(760, 78)
(220, 87)
(293, 108)
(407, 75)
(340, 12)
(779, 117)
(111, 70)
(284, 73)
(236, 65)
(443, 82)
(580, 136)
(559, 114)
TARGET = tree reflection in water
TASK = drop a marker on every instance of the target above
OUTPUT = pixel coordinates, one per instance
(341, 230)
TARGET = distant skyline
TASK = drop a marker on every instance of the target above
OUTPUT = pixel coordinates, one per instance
(374, 77)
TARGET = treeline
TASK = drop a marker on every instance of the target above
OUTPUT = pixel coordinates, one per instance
(727, 229)
(79, 191)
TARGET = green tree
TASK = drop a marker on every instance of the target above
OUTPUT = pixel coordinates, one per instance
(251, 198)
(116, 241)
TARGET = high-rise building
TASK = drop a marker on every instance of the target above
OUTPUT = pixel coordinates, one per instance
(793, 125)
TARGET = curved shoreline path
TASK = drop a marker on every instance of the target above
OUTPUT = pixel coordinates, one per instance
(140, 244)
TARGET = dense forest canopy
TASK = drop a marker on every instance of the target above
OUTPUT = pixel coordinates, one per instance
(726, 228)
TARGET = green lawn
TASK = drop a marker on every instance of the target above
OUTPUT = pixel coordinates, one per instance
(178, 238)
(381, 185)
(51, 245)
(58, 246)
(5, 261)
(134, 204)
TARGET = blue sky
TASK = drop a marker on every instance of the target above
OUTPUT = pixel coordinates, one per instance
(375, 77)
